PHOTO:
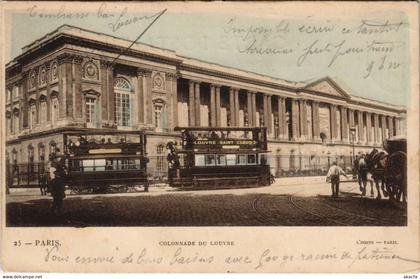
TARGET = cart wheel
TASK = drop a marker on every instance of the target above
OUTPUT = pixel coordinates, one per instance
(396, 178)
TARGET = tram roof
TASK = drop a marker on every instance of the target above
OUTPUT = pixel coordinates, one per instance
(194, 128)
(102, 132)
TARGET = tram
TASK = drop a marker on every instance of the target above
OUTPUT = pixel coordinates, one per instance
(216, 158)
(101, 161)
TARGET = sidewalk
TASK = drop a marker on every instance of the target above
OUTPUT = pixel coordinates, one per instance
(161, 187)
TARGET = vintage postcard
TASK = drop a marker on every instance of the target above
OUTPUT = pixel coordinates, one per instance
(210, 137)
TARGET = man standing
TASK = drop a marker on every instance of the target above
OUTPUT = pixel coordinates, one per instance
(57, 188)
(333, 175)
(362, 172)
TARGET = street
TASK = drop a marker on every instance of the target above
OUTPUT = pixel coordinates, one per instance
(281, 204)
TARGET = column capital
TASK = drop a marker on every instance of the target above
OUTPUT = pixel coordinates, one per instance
(173, 75)
(144, 72)
(77, 59)
(64, 58)
(105, 64)
(215, 85)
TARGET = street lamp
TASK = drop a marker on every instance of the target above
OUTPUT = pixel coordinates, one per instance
(353, 134)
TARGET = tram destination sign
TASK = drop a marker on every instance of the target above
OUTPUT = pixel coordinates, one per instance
(219, 143)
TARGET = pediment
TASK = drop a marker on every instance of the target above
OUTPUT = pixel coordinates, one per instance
(91, 92)
(327, 86)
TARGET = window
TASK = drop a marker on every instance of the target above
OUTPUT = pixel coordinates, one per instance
(221, 160)
(90, 110)
(32, 116)
(241, 160)
(210, 160)
(14, 157)
(8, 123)
(16, 91)
(54, 110)
(230, 159)
(43, 112)
(251, 159)
(8, 95)
(158, 116)
(160, 157)
(199, 160)
(122, 89)
(30, 161)
(15, 124)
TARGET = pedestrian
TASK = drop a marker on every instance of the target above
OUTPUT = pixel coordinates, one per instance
(333, 176)
(57, 175)
(362, 172)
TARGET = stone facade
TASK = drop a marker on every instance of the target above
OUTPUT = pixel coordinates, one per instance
(77, 78)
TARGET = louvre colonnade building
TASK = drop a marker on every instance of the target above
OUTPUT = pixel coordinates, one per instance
(68, 79)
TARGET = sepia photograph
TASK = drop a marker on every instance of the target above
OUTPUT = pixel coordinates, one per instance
(249, 119)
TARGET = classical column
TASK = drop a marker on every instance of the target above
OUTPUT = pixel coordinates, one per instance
(265, 111)
(376, 122)
(78, 98)
(253, 109)
(360, 126)
(344, 123)
(269, 119)
(383, 123)
(236, 99)
(390, 127)
(232, 107)
(282, 116)
(333, 121)
(197, 105)
(111, 95)
(212, 106)
(315, 120)
(218, 107)
(173, 78)
(65, 65)
(24, 101)
(191, 104)
(295, 119)
(249, 108)
(104, 93)
(140, 97)
(284, 119)
(397, 126)
(368, 127)
(48, 88)
(303, 119)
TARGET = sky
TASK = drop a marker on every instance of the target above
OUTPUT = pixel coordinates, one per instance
(368, 55)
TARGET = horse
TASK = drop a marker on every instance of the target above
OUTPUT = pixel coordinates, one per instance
(376, 162)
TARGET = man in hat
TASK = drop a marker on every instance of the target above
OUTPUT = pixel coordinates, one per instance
(333, 176)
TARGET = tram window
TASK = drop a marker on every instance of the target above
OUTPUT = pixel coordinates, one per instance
(199, 160)
(210, 160)
(100, 165)
(251, 159)
(109, 165)
(221, 160)
(241, 160)
(263, 159)
(230, 159)
(88, 165)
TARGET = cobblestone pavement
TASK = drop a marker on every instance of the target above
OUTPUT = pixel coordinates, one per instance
(277, 205)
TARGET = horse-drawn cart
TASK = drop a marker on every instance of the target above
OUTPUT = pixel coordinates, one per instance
(395, 172)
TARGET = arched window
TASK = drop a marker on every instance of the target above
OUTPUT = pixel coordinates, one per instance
(122, 90)
(53, 147)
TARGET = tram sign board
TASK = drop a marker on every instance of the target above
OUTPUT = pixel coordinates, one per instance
(105, 151)
(238, 143)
